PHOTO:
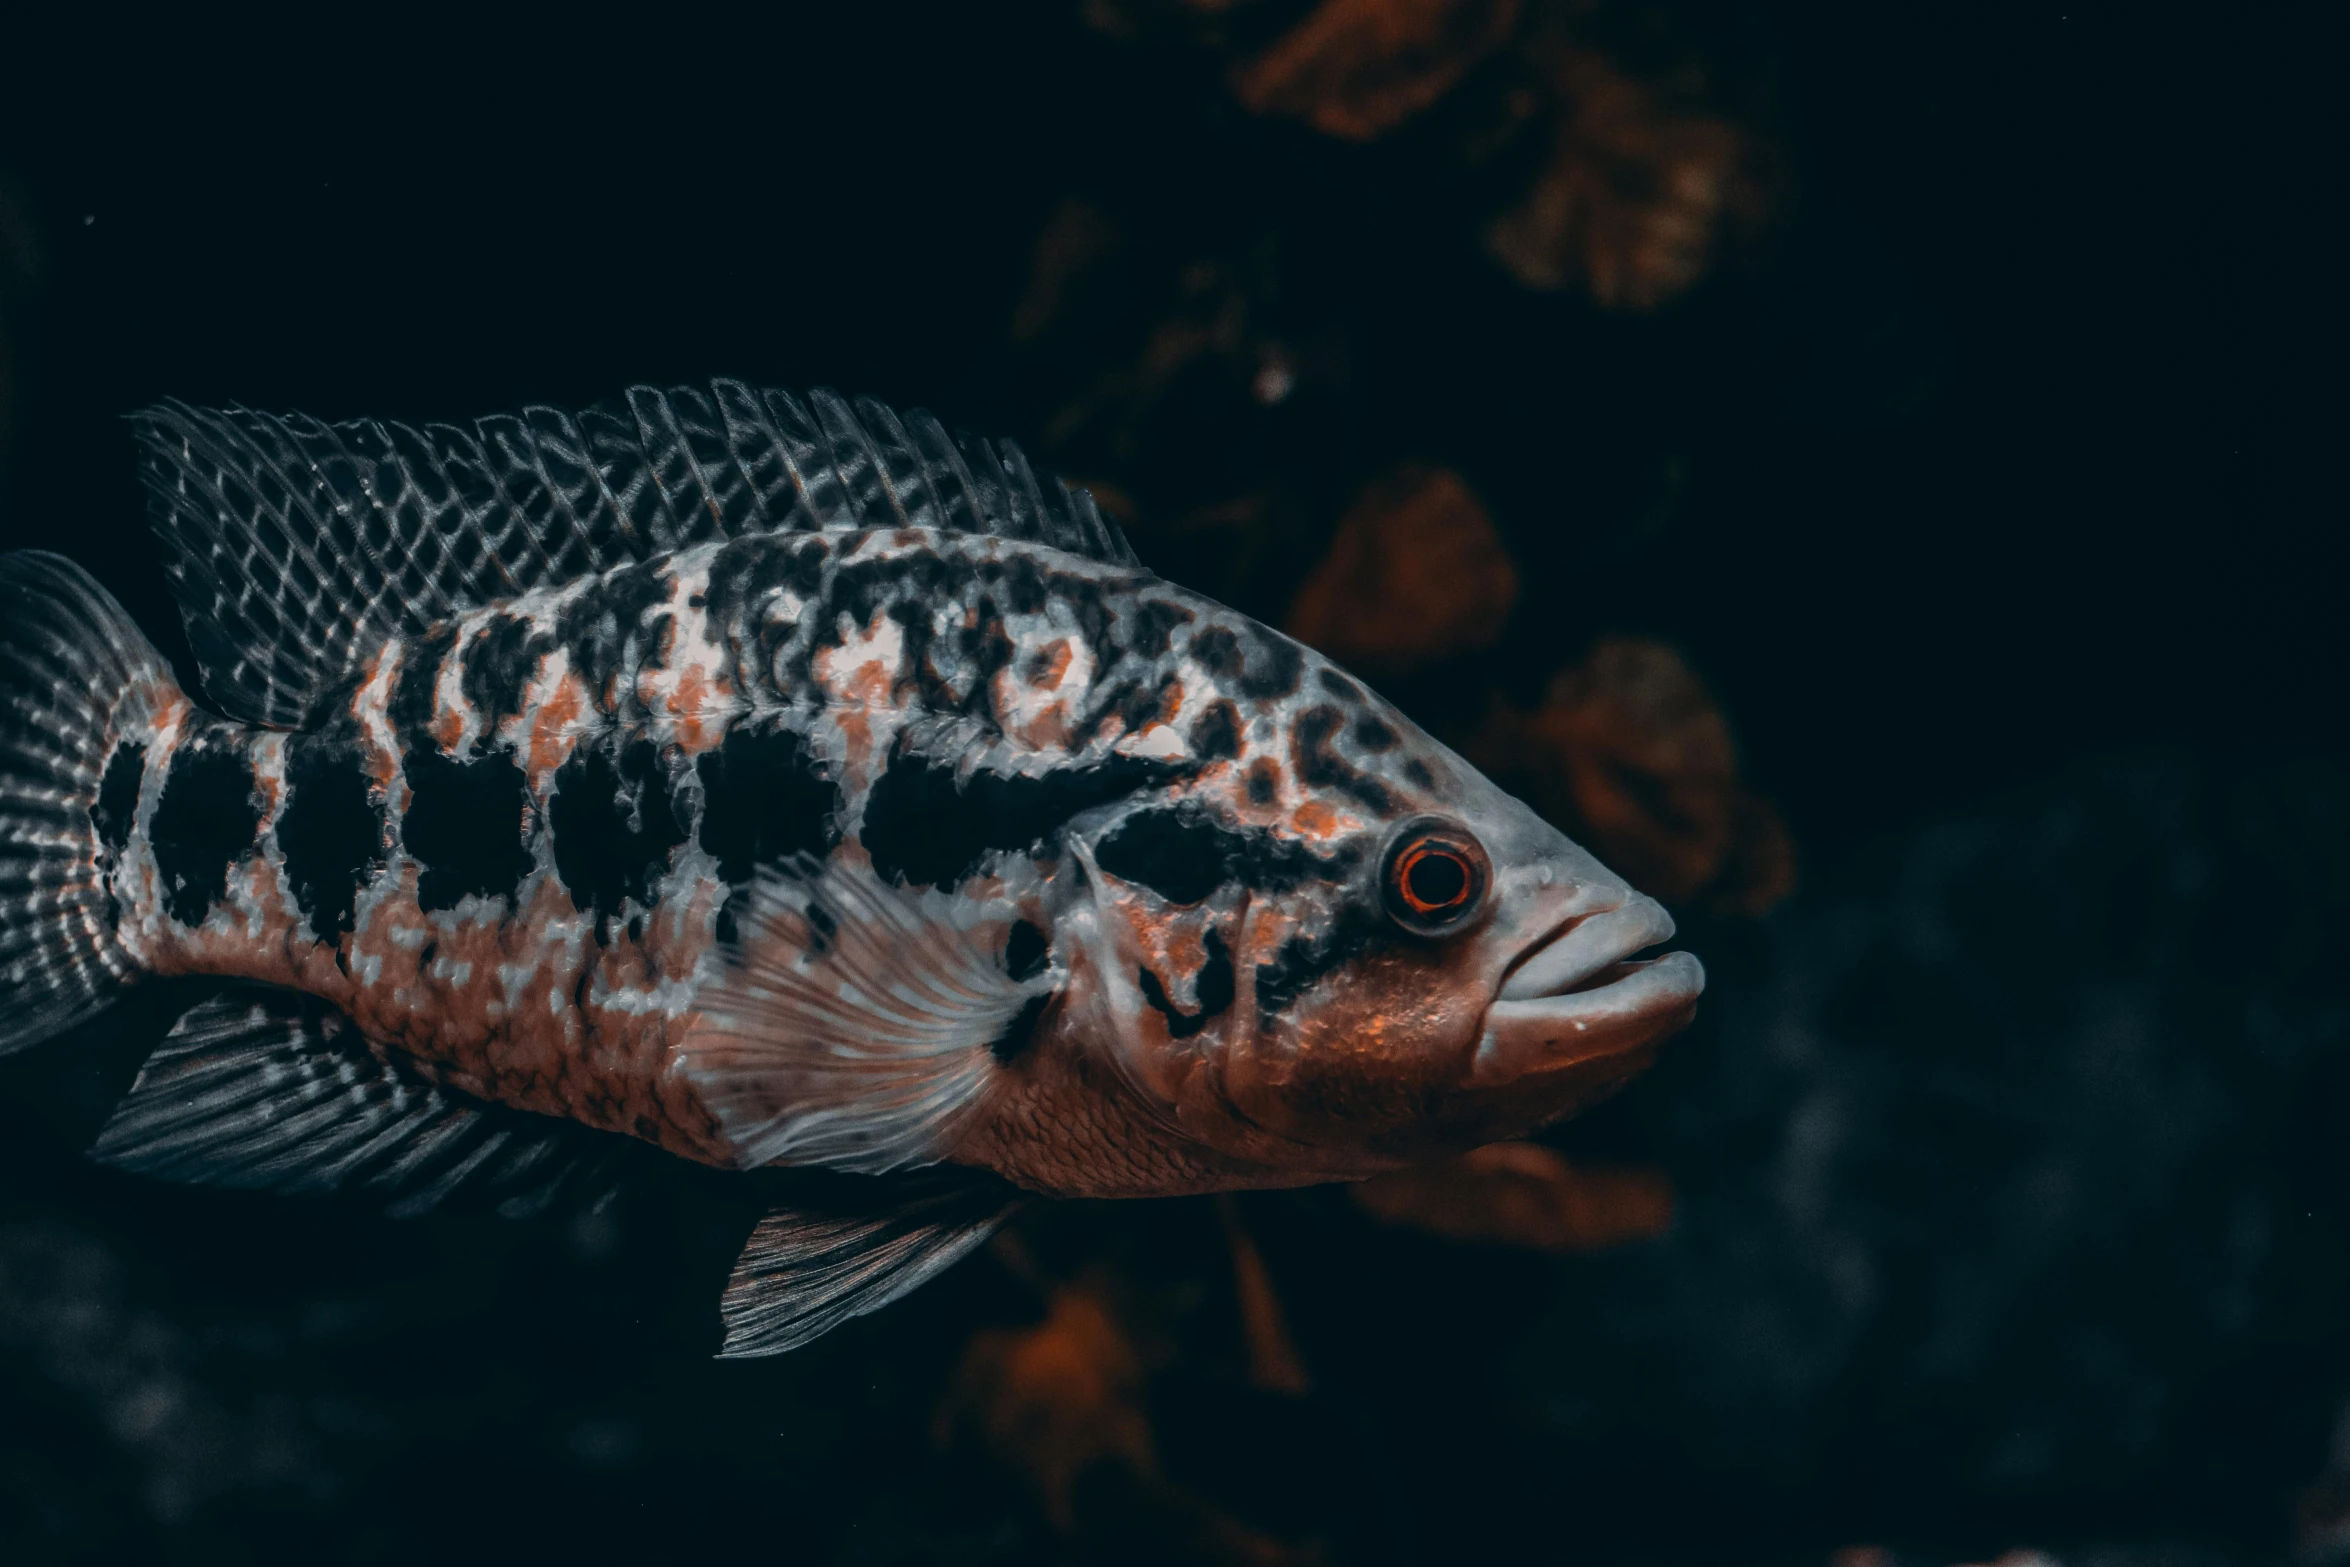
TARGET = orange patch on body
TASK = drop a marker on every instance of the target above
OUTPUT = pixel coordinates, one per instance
(273, 791)
(691, 706)
(234, 952)
(447, 728)
(1316, 820)
(550, 740)
(382, 763)
(1057, 654)
(867, 689)
(556, 1050)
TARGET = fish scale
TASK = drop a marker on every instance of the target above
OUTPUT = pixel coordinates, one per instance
(499, 841)
(771, 782)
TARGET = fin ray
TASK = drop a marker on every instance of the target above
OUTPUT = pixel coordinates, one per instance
(852, 1024)
(275, 1091)
(78, 683)
(813, 1265)
(294, 547)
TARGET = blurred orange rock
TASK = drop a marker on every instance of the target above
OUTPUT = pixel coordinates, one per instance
(1416, 573)
(1054, 1400)
(1860, 1556)
(1062, 1405)
(1076, 238)
(1637, 198)
(1357, 69)
(1524, 1195)
(1630, 754)
(1273, 1361)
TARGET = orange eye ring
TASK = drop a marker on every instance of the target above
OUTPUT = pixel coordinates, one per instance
(1434, 878)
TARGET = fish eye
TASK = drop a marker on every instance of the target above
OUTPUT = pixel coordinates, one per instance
(1434, 878)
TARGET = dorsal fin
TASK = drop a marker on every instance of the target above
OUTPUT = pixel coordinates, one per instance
(295, 547)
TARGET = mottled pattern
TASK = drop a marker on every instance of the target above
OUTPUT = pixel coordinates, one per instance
(510, 849)
(298, 548)
(559, 743)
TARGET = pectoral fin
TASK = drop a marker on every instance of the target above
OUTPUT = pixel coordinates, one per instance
(851, 1023)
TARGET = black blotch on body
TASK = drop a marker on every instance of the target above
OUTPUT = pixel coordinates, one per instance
(614, 825)
(1184, 855)
(466, 825)
(596, 627)
(498, 666)
(1217, 651)
(743, 575)
(409, 709)
(765, 798)
(1319, 765)
(330, 833)
(1009, 1044)
(1275, 668)
(1374, 734)
(1024, 951)
(1041, 661)
(205, 825)
(1417, 774)
(744, 572)
(1136, 704)
(953, 670)
(901, 588)
(1028, 586)
(117, 805)
(924, 831)
(1341, 687)
(1022, 580)
(1301, 961)
(1155, 621)
(1217, 734)
(1215, 990)
(981, 647)
(1178, 854)
(1264, 781)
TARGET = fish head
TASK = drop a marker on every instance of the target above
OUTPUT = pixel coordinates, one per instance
(1345, 949)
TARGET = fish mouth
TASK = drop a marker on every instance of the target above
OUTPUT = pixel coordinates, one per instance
(1582, 993)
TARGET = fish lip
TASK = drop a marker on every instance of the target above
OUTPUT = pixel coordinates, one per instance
(1633, 1003)
(1585, 945)
(1580, 994)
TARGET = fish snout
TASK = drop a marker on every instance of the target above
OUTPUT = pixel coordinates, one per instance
(1582, 995)
(1587, 944)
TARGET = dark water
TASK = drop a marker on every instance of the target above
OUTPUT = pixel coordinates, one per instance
(1988, 484)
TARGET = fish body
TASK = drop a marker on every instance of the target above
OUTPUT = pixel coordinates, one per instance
(770, 782)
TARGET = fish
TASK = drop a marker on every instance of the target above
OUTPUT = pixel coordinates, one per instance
(774, 783)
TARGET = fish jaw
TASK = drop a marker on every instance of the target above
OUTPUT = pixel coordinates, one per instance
(1581, 997)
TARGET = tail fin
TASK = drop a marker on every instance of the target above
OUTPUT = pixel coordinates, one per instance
(77, 681)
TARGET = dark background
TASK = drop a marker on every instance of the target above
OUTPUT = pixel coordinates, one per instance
(1991, 485)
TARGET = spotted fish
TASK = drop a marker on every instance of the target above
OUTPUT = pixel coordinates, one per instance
(761, 780)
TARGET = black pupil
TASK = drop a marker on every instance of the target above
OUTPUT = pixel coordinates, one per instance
(1437, 879)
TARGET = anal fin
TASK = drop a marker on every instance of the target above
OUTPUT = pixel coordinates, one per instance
(273, 1091)
(852, 1244)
